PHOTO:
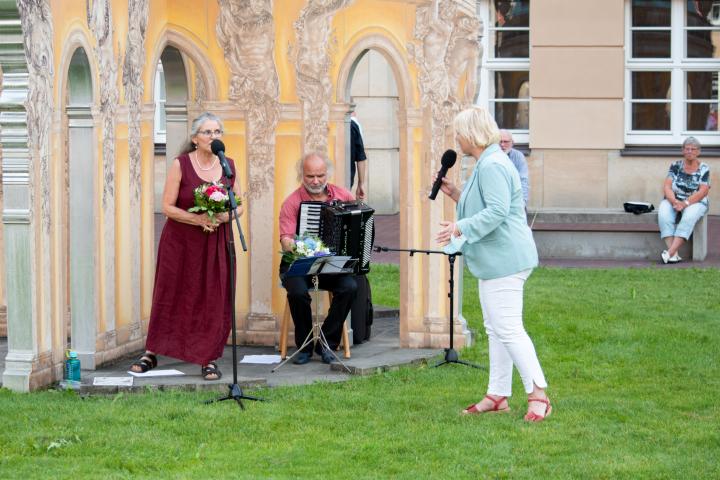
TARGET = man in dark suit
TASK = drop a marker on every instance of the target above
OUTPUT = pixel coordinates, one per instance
(358, 159)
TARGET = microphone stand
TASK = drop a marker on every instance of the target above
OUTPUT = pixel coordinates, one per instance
(235, 392)
(451, 355)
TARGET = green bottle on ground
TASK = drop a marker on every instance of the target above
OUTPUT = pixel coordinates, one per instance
(72, 370)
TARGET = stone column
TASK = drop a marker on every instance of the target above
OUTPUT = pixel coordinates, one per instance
(176, 128)
(133, 87)
(100, 24)
(25, 118)
(446, 49)
(82, 217)
(246, 33)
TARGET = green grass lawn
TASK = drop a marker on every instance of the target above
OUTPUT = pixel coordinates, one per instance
(631, 356)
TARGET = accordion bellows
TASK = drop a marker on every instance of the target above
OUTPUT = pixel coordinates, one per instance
(347, 228)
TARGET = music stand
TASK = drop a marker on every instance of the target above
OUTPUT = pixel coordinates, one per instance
(235, 392)
(451, 355)
(314, 266)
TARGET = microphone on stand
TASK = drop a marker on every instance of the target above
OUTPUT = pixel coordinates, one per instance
(447, 161)
(218, 148)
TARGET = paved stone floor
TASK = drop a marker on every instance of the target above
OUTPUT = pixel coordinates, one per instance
(381, 353)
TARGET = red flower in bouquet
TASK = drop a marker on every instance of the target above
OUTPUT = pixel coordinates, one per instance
(211, 198)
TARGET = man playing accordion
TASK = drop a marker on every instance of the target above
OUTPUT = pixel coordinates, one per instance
(312, 173)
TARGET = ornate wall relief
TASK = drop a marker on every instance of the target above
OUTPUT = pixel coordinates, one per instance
(35, 17)
(133, 87)
(100, 22)
(36, 22)
(99, 19)
(245, 31)
(463, 58)
(200, 88)
(133, 84)
(312, 58)
(447, 47)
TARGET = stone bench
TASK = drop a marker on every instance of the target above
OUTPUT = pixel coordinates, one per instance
(606, 234)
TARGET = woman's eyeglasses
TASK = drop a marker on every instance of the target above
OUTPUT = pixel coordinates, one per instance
(207, 133)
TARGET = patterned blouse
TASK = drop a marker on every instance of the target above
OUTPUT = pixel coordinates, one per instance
(685, 184)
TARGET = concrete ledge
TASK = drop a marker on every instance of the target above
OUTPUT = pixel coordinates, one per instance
(606, 234)
(145, 385)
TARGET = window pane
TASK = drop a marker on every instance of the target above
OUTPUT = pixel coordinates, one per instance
(512, 84)
(703, 43)
(512, 115)
(651, 116)
(650, 85)
(512, 44)
(651, 44)
(512, 13)
(702, 116)
(702, 85)
(651, 13)
(699, 13)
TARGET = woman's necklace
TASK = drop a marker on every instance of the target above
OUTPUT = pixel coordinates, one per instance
(197, 163)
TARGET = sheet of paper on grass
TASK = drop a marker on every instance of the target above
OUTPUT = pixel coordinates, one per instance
(157, 373)
(115, 381)
(261, 359)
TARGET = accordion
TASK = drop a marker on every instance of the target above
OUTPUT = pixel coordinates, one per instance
(347, 228)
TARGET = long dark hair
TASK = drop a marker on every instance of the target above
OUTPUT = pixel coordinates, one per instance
(189, 146)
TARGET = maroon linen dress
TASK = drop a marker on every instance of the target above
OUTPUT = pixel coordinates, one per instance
(190, 316)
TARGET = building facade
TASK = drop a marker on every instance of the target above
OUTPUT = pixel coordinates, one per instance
(81, 167)
(96, 97)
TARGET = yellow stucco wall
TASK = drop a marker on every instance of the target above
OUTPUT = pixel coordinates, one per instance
(190, 26)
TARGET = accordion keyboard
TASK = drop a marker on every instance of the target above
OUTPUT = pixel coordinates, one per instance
(309, 218)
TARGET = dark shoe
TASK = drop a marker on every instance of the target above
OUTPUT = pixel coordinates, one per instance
(147, 362)
(211, 372)
(327, 356)
(302, 358)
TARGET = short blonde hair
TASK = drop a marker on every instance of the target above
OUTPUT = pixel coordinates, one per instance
(477, 127)
(300, 165)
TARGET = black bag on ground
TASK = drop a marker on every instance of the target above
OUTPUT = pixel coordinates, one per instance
(361, 312)
(638, 207)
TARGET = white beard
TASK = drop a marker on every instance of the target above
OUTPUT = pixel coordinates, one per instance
(315, 190)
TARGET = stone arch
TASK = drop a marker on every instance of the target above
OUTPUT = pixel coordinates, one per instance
(396, 59)
(393, 55)
(77, 38)
(187, 45)
(176, 49)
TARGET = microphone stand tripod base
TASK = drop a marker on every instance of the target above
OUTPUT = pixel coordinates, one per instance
(451, 356)
(236, 394)
(315, 335)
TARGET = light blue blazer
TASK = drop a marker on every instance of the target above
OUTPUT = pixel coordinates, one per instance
(496, 240)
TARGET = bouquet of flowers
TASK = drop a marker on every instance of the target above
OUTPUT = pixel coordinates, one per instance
(307, 246)
(211, 198)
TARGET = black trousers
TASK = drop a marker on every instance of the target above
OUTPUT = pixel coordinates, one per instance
(343, 288)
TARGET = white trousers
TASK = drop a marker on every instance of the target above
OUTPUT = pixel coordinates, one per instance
(501, 300)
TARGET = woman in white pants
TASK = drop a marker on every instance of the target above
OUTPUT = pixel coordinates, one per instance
(686, 188)
(497, 245)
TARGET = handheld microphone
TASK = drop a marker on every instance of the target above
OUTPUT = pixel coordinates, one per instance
(447, 161)
(218, 148)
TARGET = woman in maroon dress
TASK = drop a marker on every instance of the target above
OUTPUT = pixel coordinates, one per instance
(191, 312)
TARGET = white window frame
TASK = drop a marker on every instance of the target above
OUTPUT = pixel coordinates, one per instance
(677, 65)
(490, 65)
(160, 127)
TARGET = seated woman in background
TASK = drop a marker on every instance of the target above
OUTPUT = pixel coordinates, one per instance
(686, 188)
